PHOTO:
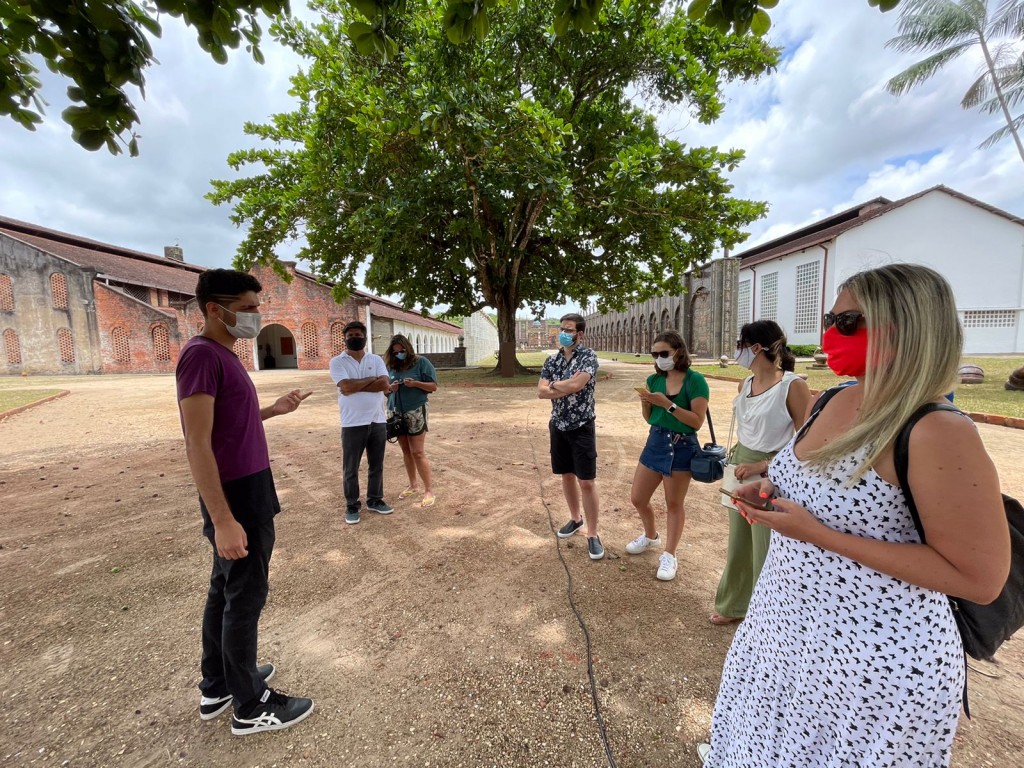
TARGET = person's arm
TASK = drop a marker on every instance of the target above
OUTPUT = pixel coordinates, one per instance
(429, 381)
(284, 404)
(367, 384)
(197, 422)
(798, 401)
(955, 486)
(571, 386)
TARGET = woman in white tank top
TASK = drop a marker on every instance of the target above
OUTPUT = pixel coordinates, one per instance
(769, 408)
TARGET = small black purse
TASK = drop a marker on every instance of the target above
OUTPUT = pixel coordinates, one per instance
(708, 463)
(395, 424)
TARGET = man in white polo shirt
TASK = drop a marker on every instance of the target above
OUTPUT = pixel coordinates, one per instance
(362, 380)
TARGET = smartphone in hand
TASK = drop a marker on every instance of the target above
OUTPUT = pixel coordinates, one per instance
(642, 390)
(764, 504)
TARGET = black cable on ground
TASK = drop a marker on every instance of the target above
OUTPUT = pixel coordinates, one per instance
(579, 618)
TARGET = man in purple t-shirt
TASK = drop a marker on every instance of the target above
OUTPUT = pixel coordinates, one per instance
(227, 454)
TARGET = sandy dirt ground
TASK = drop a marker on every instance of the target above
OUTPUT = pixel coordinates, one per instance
(441, 637)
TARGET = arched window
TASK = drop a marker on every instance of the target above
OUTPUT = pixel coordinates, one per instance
(6, 294)
(161, 342)
(59, 290)
(337, 338)
(310, 342)
(119, 338)
(66, 345)
(12, 347)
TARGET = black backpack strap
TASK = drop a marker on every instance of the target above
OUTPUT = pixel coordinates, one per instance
(901, 458)
(819, 405)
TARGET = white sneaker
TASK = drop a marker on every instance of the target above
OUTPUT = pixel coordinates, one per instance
(641, 543)
(666, 567)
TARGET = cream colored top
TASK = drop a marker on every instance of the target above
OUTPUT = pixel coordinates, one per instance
(763, 422)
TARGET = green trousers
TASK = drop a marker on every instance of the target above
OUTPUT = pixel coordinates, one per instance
(748, 548)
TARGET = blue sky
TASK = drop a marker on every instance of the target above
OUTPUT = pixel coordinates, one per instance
(821, 134)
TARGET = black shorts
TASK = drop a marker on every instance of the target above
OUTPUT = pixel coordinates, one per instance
(574, 452)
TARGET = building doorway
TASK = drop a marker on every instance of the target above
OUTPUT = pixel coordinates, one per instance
(275, 348)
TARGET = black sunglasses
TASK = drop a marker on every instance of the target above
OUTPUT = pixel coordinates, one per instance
(663, 353)
(845, 322)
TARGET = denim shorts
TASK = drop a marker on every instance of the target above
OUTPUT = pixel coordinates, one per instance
(667, 451)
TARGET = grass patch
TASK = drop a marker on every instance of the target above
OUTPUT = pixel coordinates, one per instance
(484, 375)
(989, 397)
(15, 398)
(627, 357)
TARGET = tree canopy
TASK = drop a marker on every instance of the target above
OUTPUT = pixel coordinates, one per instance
(101, 46)
(513, 169)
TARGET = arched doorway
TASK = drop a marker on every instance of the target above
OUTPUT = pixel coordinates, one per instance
(279, 342)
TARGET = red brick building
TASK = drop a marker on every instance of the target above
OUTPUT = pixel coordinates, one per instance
(73, 305)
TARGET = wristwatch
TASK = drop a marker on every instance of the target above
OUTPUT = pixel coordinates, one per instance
(672, 408)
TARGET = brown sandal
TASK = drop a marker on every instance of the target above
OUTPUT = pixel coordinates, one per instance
(722, 621)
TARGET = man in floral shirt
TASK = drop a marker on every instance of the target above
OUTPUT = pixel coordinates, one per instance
(567, 380)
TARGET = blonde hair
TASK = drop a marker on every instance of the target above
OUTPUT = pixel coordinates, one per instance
(914, 346)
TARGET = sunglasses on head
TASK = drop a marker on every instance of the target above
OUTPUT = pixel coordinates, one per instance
(845, 322)
(663, 353)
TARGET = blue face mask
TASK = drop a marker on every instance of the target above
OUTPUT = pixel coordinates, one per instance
(399, 355)
(565, 339)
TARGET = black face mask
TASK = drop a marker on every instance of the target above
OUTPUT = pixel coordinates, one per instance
(355, 343)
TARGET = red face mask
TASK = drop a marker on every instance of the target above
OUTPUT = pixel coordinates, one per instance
(847, 355)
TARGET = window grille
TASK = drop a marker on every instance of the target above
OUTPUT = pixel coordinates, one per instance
(743, 308)
(337, 338)
(59, 290)
(122, 351)
(137, 292)
(808, 302)
(161, 343)
(310, 342)
(66, 345)
(6, 294)
(990, 318)
(243, 350)
(769, 297)
(12, 347)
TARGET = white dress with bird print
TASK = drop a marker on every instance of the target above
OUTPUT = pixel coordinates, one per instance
(838, 665)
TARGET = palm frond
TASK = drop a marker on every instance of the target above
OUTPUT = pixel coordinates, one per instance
(980, 91)
(917, 73)
(1007, 130)
(928, 25)
(1009, 19)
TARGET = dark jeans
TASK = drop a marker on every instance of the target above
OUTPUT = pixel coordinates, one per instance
(238, 591)
(371, 438)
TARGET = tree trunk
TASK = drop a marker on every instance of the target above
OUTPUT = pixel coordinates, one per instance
(507, 364)
(990, 64)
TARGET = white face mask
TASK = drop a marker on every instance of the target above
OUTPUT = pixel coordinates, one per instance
(247, 324)
(746, 357)
(665, 363)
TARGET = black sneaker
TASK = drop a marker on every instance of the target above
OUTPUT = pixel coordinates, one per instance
(273, 712)
(380, 507)
(595, 547)
(211, 707)
(569, 529)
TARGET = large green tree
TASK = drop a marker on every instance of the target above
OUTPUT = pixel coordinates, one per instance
(102, 46)
(947, 29)
(514, 169)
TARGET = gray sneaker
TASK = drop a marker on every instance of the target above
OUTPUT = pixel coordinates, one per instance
(352, 516)
(595, 547)
(380, 507)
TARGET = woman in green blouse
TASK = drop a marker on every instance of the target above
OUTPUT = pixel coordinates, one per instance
(674, 404)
